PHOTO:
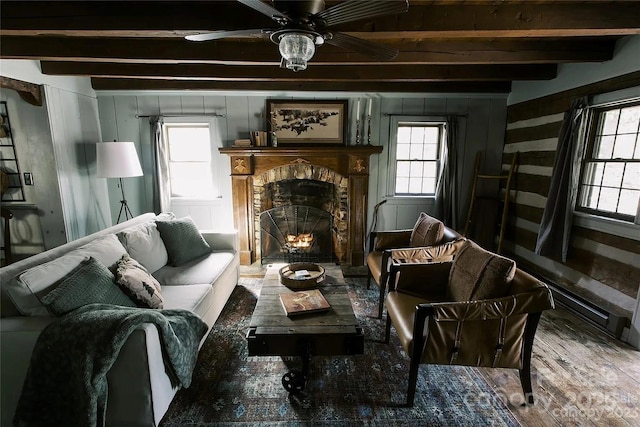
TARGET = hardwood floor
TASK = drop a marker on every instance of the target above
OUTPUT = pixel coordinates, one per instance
(581, 377)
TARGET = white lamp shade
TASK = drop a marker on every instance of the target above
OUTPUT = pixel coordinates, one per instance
(117, 160)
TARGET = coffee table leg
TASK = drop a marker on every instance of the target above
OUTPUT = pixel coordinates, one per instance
(296, 381)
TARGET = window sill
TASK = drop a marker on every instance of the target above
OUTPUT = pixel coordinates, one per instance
(608, 225)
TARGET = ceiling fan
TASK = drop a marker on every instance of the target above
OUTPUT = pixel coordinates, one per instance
(303, 25)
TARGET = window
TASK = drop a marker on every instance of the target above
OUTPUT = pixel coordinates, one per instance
(610, 180)
(190, 165)
(417, 157)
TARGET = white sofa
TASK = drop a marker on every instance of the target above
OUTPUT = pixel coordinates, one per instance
(140, 391)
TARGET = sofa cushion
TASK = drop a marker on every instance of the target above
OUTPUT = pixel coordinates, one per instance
(138, 283)
(201, 270)
(90, 282)
(182, 240)
(37, 280)
(195, 298)
(479, 274)
(427, 231)
(144, 244)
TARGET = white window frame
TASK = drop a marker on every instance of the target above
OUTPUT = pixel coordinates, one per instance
(603, 224)
(216, 158)
(395, 123)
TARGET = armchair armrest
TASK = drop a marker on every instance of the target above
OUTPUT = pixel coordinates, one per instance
(381, 240)
(427, 279)
(221, 241)
(534, 301)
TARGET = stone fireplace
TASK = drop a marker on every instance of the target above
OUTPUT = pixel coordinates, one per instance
(306, 203)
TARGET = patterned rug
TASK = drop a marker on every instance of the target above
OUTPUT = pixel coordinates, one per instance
(230, 388)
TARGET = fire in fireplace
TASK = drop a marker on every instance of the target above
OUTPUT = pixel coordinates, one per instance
(299, 242)
(296, 234)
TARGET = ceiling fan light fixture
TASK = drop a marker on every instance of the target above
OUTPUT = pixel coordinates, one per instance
(296, 49)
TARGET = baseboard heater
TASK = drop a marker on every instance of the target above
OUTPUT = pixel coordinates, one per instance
(610, 322)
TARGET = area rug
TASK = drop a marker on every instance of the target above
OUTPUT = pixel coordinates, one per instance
(230, 388)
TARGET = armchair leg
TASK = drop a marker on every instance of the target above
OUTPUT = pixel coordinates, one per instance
(381, 301)
(413, 379)
(369, 278)
(387, 331)
(525, 372)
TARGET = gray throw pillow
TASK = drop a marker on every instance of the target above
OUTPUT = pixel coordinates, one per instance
(90, 282)
(183, 240)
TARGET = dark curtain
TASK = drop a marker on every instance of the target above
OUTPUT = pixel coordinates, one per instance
(161, 182)
(448, 186)
(555, 226)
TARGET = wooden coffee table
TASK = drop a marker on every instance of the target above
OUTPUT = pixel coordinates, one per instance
(335, 332)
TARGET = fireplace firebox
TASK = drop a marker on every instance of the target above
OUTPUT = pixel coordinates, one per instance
(296, 234)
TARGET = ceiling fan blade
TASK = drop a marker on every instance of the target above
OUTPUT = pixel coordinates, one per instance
(365, 47)
(222, 34)
(360, 9)
(265, 9)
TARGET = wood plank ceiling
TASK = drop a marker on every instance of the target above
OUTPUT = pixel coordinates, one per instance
(445, 46)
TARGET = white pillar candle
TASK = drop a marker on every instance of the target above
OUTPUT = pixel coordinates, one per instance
(370, 107)
(358, 109)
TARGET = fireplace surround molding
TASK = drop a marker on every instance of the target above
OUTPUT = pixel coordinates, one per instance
(347, 167)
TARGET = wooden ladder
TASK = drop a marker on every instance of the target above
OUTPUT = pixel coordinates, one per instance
(507, 194)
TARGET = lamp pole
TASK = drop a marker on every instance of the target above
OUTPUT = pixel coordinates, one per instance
(124, 207)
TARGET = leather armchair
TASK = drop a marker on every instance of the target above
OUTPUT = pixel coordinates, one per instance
(381, 246)
(491, 332)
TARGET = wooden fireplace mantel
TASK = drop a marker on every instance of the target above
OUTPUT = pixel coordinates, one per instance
(352, 162)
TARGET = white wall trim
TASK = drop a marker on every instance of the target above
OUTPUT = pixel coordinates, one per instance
(530, 199)
(547, 144)
(530, 169)
(607, 225)
(537, 121)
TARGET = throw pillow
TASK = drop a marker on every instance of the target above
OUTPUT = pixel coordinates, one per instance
(428, 231)
(182, 240)
(40, 279)
(136, 282)
(144, 244)
(479, 274)
(90, 282)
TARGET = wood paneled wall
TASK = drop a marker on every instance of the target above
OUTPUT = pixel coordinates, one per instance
(481, 128)
(605, 267)
(56, 144)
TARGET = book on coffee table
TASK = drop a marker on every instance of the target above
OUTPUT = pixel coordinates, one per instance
(303, 302)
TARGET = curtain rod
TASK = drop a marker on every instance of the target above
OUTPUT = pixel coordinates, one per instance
(182, 115)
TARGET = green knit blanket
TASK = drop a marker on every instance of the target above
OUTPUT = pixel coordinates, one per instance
(66, 383)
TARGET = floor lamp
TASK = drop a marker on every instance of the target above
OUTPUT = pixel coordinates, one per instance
(118, 160)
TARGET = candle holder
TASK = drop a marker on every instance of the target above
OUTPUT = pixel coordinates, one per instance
(357, 131)
(369, 129)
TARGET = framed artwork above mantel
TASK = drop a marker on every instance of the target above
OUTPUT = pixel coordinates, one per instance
(307, 122)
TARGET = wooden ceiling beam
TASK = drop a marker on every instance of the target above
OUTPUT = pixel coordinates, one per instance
(30, 92)
(114, 84)
(479, 51)
(424, 19)
(378, 73)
